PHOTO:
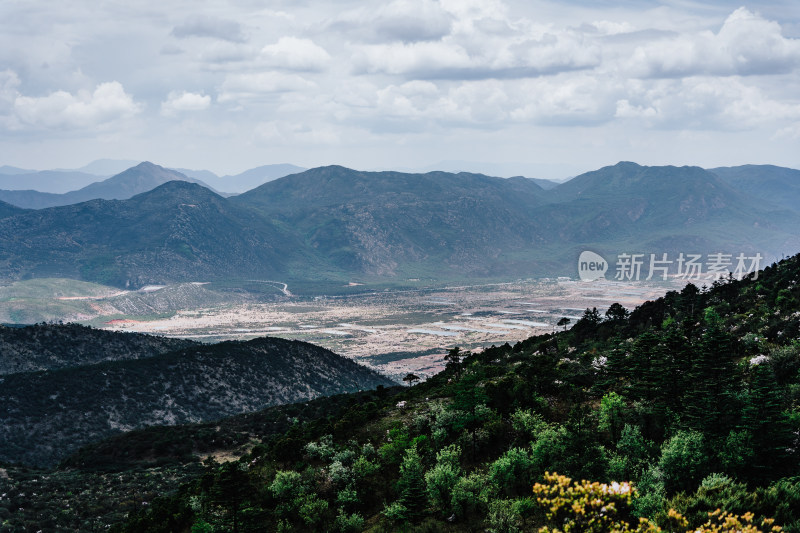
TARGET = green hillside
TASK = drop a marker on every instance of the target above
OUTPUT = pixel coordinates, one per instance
(47, 415)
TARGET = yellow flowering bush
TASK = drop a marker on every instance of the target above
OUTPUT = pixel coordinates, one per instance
(592, 507)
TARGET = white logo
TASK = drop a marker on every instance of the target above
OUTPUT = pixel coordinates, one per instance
(591, 266)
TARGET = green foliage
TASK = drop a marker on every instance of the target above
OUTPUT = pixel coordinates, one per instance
(512, 473)
(510, 515)
(528, 423)
(716, 491)
(684, 461)
(353, 523)
(612, 410)
(633, 454)
(470, 495)
(441, 479)
(411, 486)
(287, 485)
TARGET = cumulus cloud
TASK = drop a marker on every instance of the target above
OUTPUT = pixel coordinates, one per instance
(703, 103)
(293, 53)
(481, 47)
(747, 44)
(549, 54)
(108, 103)
(184, 101)
(215, 28)
(567, 100)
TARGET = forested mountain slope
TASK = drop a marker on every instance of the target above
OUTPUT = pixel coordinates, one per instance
(47, 415)
(693, 398)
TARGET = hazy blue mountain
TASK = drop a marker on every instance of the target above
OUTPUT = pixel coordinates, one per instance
(141, 178)
(544, 184)
(9, 170)
(203, 175)
(51, 181)
(48, 415)
(108, 167)
(254, 177)
(778, 185)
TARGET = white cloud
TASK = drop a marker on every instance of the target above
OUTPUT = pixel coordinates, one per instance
(184, 101)
(425, 59)
(255, 85)
(746, 44)
(484, 48)
(703, 103)
(108, 103)
(292, 53)
(566, 100)
(212, 27)
(400, 20)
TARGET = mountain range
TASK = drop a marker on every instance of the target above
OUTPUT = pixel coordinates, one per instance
(339, 224)
(113, 179)
(135, 180)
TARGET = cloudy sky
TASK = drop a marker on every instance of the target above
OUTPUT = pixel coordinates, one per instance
(544, 89)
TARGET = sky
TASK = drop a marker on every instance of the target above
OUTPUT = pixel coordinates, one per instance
(541, 89)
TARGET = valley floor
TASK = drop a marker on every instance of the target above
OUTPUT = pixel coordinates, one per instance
(401, 331)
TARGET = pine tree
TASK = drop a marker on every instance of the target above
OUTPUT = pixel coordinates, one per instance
(412, 486)
(710, 403)
(764, 419)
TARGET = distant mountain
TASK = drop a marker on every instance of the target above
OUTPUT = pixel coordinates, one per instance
(392, 223)
(254, 177)
(51, 181)
(544, 184)
(665, 209)
(48, 415)
(9, 170)
(54, 346)
(334, 223)
(141, 178)
(777, 185)
(108, 167)
(203, 175)
(179, 231)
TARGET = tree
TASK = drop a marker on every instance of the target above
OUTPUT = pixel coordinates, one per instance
(768, 426)
(441, 479)
(616, 313)
(711, 404)
(612, 409)
(453, 360)
(684, 461)
(563, 322)
(410, 379)
(412, 486)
